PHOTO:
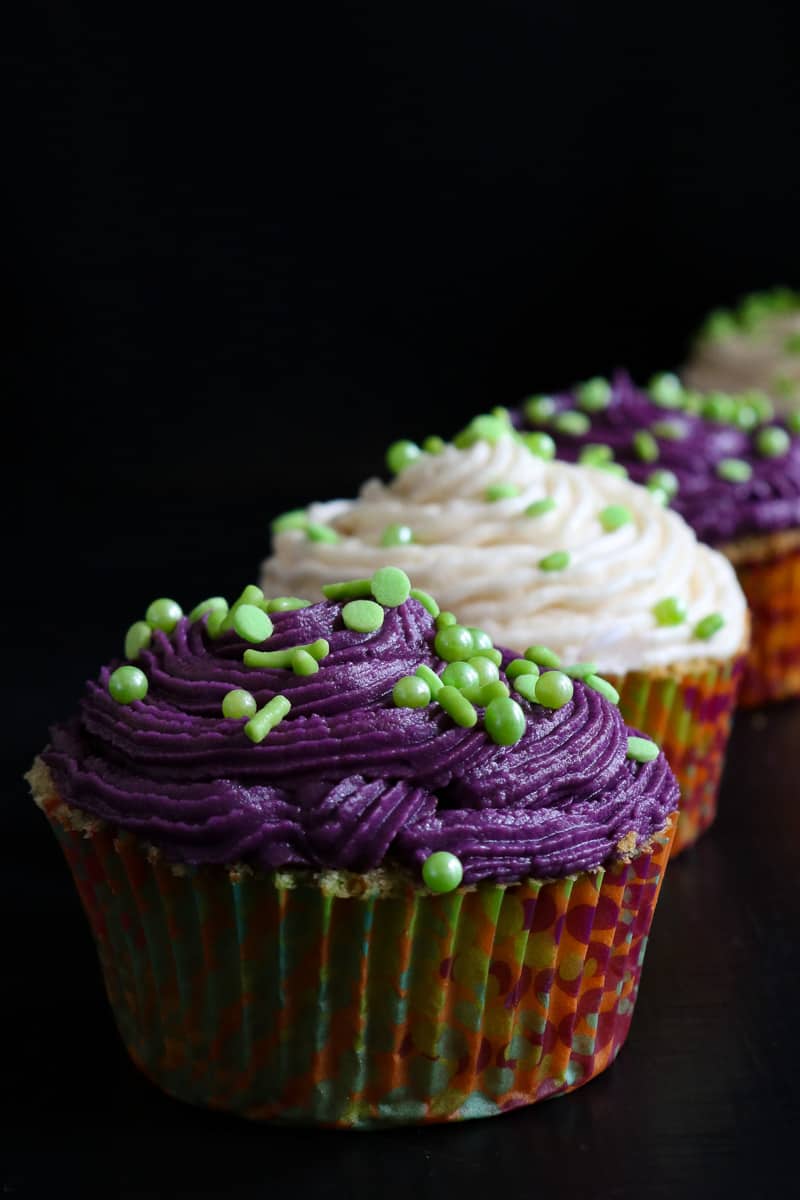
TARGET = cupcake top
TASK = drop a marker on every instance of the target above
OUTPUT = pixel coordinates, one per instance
(725, 463)
(353, 734)
(756, 345)
(530, 550)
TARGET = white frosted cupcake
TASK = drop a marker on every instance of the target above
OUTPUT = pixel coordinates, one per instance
(544, 552)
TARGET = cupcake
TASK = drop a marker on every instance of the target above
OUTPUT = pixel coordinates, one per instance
(337, 873)
(538, 552)
(729, 468)
(754, 347)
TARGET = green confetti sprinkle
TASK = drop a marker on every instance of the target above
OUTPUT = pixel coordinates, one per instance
(670, 611)
(614, 517)
(252, 624)
(267, 718)
(557, 561)
(391, 587)
(641, 750)
(363, 616)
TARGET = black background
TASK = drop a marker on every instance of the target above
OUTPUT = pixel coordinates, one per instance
(240, 257)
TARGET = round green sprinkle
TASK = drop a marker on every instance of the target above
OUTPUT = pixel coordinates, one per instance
(554, 689)
(411, 692)
(521, 666)
(363, 616)
(614, 517)
(557, 561)
(594, 395)
(457, 707)
(462, 676)
(501, 491)
(719, 407)
(483, 428)
(397, 535)
(595, 453)
(267, 718)
(163, 614)
(252, 624)
(213, 604)
(526, 686)
(426, 600)
(321, 533)
(287, 604)
(666, 391)
(645, 446)
(492, 654)
(746, 416)
(573, 423)
(430, 678)
(442, 872)
(401, 455)
(504, 721)
(540, 444)
(642, 749)
(494, 691)
(734, 470)
(349, 589)
(433, 444)
(542, 656)
(772, 441)
(480, 639)
(670, 611)
(445, 619)
(127, 684)
(663, 481)
(580, 670)
(539, 409)
(303, 663)
(709, 625)
(540, 507)
(671, 431)
(391, 587)
(485, 669)
(238, 703)
(606, 689)
(137, 639)
(454, 643)
(215, 623)
(793, 421)
(613, 468)
(297, 518)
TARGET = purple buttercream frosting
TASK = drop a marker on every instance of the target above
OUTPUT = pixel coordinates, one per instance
(348, 780)
(717, 509)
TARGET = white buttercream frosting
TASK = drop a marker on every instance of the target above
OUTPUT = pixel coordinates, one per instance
(480, 558)
(744, 360)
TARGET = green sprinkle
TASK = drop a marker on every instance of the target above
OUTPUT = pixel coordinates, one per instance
(539, 409)
(253, 596)
(283, 658)
(573, 423)
(663, 481)
(613, 468)
(540, 444)
(746, 416)
(267, 718)
(719, 407)
(645, 446)
(430, 678)
(303, 663)
(252, 624)
(442, 872)
(286, 604)
(709, 626)
(397, 535)
(734, 470)
(502, 414)
(411, 692)
(641, 749)
(321, 533)
(501, 491)
(493, 655)
(521, 666)
(319, 649)
(215, 624)
(792, 343)
(483, 428)
(163, 614)
(580, 670)
(793, 421)
(363, 616)
(606, 689)
(297, 518)
(401, 455)
(540, 507)
(454, 643)
(426, 600)
(445, 619)
(391, 587)
(595, 453)
(127, 684)
(542, 656)
(594, 395)
(462, 676)
(526, 686)
(494, 691)
(670, 611)
(348, 589)
(554, 689)
(433, 444)
(761, 403)
(480, 639)
(485, 669)
(137, 639)
(557, 561)
(671, 431)
(238, 704)
(772, 441)
(457, 707)
(505, 721)
(213, 604)
(666, 391)
(719, 325)
(614, 517)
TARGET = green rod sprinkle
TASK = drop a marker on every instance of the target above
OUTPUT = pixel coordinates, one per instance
(426, 600)
(303, 663)
(457, 707)
(350, 589)
(606, 689)
(521, 666)
(708, 626)
(287, 604)
(641, 749)
(267, 718)
(580, 670)
(295, 519)
(540, 507)
(431, 678)
(542, 656)
(213, 604)
(501, 491)
(557, 561)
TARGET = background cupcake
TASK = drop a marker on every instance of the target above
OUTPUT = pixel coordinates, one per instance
(728, 467)
(345, 877)
(536, 551)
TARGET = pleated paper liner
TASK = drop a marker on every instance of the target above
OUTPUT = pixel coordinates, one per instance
(688, 710)
(292, 1001)
(769, 572)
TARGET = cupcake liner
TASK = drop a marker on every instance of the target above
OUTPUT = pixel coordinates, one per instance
(772, 588)
(688, 710)
(285, 999)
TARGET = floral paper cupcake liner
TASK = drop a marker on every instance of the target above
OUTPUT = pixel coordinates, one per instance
(769, 572)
